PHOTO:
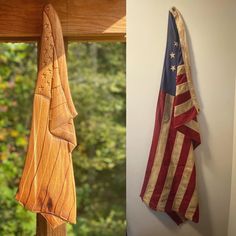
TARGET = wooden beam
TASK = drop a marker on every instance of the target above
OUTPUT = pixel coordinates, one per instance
(44, 229)
(80, 19)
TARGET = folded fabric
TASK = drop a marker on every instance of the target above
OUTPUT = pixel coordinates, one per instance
(170, 180)
(47, 184)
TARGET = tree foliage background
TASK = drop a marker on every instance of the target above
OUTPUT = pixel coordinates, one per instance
(97, 81)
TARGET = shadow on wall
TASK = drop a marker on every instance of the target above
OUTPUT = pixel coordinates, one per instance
(204, 227)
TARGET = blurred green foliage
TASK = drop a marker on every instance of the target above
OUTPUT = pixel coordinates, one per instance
(97, 81)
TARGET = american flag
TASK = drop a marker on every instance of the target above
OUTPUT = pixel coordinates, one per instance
(170, 180)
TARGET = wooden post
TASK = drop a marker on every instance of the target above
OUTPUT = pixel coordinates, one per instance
(44, 229)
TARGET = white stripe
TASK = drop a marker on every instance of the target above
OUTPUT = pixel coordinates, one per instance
(171, 170)
(182, 88)
(192, 124)
(183, 107)
(165, 126)
(188, 169)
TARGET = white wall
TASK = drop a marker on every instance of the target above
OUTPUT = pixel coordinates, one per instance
(211, 27)
(232, 215)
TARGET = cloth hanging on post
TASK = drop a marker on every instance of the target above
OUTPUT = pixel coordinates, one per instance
(47, 184)
(170, 180)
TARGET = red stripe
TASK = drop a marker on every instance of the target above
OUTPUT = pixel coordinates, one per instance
(191, 134)
(185, 117)
(196, 215)
(189, 192)
(175, 217)
(181, 98)
(156, 133)
(163, 170)
(181, 79)
(178, 173)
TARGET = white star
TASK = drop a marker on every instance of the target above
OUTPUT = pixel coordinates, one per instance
(176, 44)
(172, 55)
(173, 68)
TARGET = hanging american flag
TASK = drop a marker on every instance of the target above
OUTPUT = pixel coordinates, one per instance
(170, 180)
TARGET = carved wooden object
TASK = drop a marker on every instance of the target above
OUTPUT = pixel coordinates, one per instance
(47, 184)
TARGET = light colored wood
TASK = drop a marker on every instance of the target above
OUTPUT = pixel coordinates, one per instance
(80, 19)
(44, 229)
(47, 184)
(83, 38)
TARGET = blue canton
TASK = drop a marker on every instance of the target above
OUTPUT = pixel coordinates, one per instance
(173, 58)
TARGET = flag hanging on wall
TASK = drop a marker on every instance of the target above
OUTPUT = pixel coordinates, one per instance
(47, 184)
(170, 180)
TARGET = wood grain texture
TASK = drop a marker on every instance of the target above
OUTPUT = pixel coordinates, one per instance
(47, 184)
(44, 229)
(85, 19)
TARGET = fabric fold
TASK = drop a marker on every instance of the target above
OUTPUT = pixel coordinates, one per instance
(47, 184)
(170, 180)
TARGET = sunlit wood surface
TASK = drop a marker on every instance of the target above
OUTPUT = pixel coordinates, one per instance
(44, 229)
(80, 19)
